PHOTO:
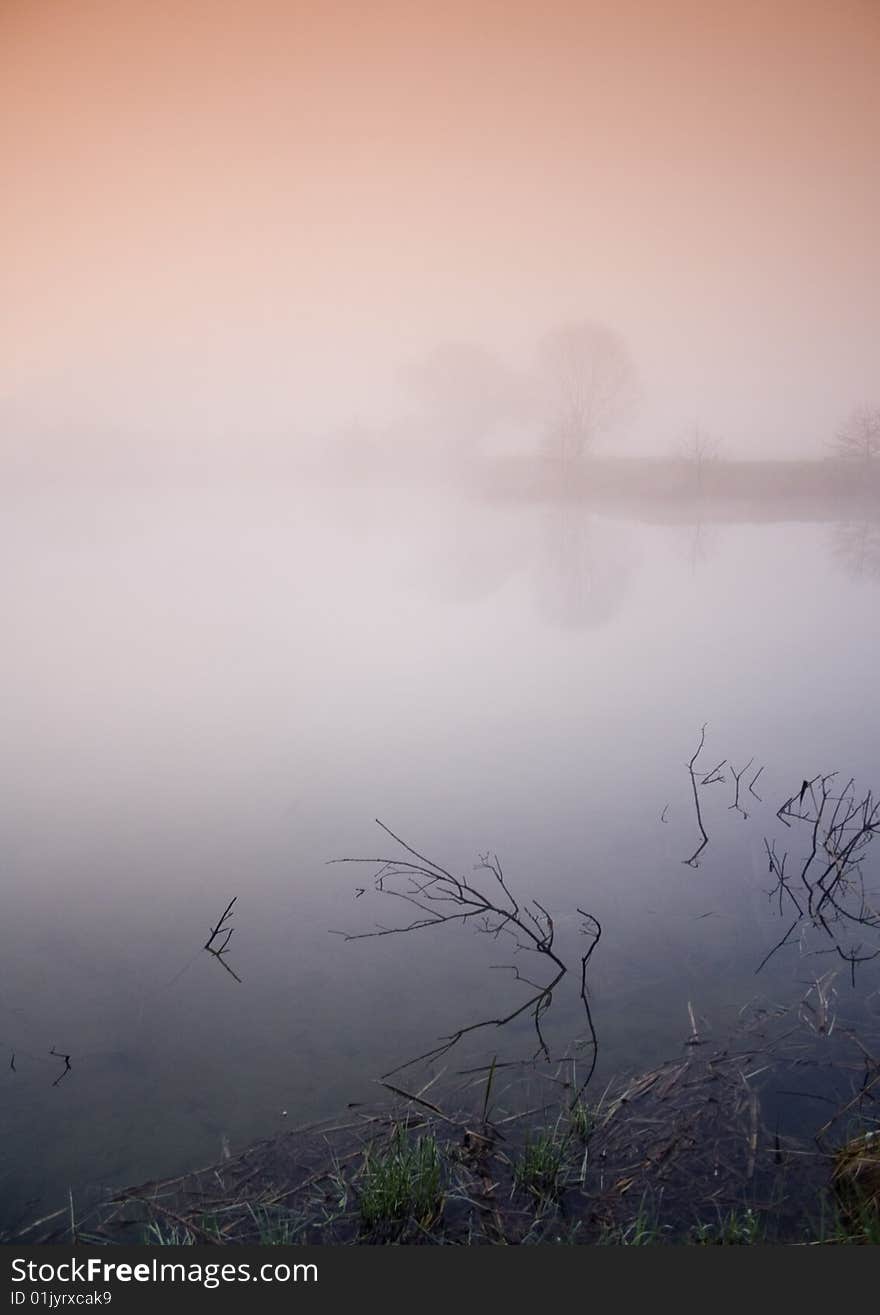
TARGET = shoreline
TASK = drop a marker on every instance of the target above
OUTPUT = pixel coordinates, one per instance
(713, 1147)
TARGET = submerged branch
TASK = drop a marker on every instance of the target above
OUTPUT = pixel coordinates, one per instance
(222, 929)
(487, 904)
(831, 893)
(693, 861)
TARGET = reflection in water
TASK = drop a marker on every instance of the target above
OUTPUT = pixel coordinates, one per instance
(469, 555)
(485, 903)
(855, 546)
(827, 890)
(580, 564)
(214, 945)
(214, 694)
(583, 569)
(67, 1065)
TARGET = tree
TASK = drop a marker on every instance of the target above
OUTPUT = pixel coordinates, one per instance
(698, 448)
(589, 385)
(464, 390)
(858, 438)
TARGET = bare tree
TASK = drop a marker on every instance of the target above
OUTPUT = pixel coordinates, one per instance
(858, 438)
(590, 387)
(698, 448)
(698, 445)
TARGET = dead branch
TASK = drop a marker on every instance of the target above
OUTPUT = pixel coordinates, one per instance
(222, 929)
(67, 1065)
(708, 779)
(488, 905)
(752, 783)
(828, 891)
(737, 776)
(593, 928)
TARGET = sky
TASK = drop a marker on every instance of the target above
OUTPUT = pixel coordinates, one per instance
(221, 217)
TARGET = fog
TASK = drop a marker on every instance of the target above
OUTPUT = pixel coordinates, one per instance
(431, 417)
(234, 227)
(212, 693)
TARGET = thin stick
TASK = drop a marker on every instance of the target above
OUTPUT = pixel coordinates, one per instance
(693, 861)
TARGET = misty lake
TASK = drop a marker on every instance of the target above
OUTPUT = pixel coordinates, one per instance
(211, 694)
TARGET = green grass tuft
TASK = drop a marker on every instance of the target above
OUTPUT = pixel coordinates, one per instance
(541, 1166)
(737, 1228)
(402, 1183)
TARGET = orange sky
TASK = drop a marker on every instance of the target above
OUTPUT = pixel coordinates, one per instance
(287, 198)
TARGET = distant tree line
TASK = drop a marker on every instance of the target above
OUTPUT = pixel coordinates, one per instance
(582, 385)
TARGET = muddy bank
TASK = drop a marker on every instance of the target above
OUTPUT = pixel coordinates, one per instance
(767, 1138)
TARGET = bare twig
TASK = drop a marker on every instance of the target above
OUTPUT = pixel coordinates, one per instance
(225, 930)
(489, 906)
(693, 861)
(829, 891)
(592, 927)
(67, 1065)
(737, 776)
(752, 784)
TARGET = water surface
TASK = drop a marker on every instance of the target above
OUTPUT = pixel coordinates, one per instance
(209, 694)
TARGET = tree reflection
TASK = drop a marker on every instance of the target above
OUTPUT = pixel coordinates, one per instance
(699, 541)
(855, 546)
(583, 570)
(474, 556)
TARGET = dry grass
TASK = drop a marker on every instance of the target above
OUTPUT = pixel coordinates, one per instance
(717, 1146)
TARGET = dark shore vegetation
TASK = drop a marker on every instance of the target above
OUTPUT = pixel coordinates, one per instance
(661, 490)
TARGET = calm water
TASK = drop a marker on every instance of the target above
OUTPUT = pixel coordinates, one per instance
(208, 695)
